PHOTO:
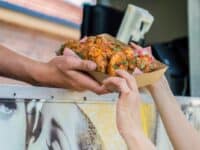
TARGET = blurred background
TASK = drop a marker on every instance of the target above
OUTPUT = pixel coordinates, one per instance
(37, 28)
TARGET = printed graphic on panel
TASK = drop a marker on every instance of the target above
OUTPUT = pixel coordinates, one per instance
(46, 126)
(42, 125)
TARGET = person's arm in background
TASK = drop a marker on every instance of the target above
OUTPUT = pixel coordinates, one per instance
(181, 133)
(61, 71)
(128, 111)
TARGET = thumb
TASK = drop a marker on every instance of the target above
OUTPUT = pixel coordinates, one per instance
(74, 63)
(69, 52)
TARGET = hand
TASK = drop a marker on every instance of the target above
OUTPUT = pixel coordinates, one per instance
(67, 72)
(128, 105)
(135, 46)
(128, 111)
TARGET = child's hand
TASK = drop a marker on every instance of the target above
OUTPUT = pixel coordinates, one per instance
(128, 105)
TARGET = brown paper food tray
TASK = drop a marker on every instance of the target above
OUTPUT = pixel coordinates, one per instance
(142, 79)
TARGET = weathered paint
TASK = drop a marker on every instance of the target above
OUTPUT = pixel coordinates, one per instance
(103, 116)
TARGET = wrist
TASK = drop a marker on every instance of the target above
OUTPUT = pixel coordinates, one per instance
(159, 87)
(161, 93)
(135, 139)
(41, 73)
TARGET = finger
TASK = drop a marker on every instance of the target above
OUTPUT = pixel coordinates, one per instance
(135, 46)
(83, 39)
(129, 79)
(107, 90)
(76, 87)
(104, 90)
(85, 82)
(119, 83)
(72, 63)
(69, 52)
(137, 71)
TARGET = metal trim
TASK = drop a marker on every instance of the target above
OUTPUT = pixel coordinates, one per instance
(21, 93)
(52, 94)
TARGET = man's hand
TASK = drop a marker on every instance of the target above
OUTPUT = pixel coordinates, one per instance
(62, 71)
(69, 71)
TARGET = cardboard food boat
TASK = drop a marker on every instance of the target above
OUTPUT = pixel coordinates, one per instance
(142, 80)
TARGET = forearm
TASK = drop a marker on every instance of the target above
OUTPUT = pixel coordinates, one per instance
(182, 135)
(18, 67)
(138, 141)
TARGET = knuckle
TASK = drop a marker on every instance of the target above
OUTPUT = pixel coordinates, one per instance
(84, 65)
(121, 81)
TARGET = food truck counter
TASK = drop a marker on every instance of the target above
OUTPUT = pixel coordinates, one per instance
(43, 118)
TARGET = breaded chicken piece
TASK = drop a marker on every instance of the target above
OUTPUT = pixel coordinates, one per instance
(71, 44)
(95, 54)
(130, 58)
(117, 61)
(154, 65)
(144, 63)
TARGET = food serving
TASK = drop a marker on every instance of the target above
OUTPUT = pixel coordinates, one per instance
(110, 54)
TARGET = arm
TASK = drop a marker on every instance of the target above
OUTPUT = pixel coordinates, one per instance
(19, 67)
(61, 71)
(128, 111)
(181, 133)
